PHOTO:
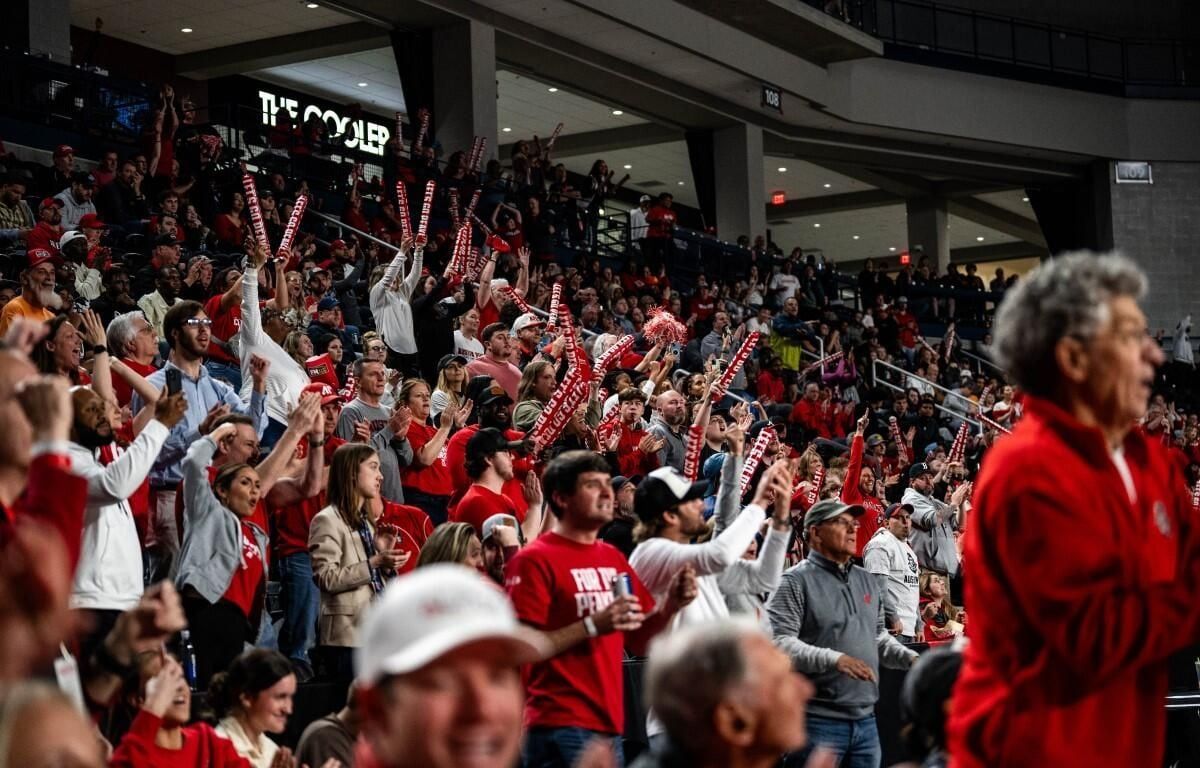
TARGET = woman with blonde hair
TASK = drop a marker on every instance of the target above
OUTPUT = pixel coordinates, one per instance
(451, 384)
(299, 346)
(453, 543)
(351, 555)
(535, 389)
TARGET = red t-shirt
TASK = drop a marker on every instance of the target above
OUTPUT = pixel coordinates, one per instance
(479, 503)
(456, 459)
(434, 479)
(488, 312)
(249, 576)
(554, 582)
(660, 221)
(121, 387)
(225, 325)
(415, 529)
(770, 387)
(291, 522)
(202, 747)
(631, 460)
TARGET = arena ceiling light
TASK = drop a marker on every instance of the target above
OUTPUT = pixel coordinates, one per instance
(552, 89)
(1024, 199)
(362, 85)
(892, 248)
(506, 130)
(782, 169)
(627, 166)
(618, 112)
(311, 5)
(854, 238)
(979, 239)
(816, 226)
(186, 30)
(681, 183)
(828, 186)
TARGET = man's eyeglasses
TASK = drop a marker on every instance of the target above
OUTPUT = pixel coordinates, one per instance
(198, 322)
(849, 523)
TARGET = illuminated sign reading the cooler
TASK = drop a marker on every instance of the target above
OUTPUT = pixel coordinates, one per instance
(361, 134)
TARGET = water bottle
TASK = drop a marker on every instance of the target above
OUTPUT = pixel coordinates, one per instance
(189, 658)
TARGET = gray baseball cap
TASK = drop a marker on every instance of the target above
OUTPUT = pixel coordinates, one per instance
(829, 509)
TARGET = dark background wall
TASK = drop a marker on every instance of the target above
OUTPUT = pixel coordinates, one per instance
(1161, 18)
(1158, 225)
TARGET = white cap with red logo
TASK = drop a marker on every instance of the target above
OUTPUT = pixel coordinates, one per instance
(423, 615)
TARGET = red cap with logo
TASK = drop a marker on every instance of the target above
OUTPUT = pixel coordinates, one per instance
(62, 150)
(339, 243)
(328, 394)
(39, 256)
(91, 221)
(49, 201)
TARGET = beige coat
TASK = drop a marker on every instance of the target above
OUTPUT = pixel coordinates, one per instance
(343, 575)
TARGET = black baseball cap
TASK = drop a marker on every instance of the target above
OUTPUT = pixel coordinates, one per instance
(662, 489)
(490, 440)
(918, 469)
(493, 393)
(451, 358)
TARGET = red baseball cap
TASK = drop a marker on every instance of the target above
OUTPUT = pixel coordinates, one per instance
(49, 201)
(339, 243)
(64, 149)
(91, 221)
(328, 394)
(39, 256)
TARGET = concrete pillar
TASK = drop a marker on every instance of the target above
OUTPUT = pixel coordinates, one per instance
(464, 86)
(43, 27)
(738, 171)
(927, 225)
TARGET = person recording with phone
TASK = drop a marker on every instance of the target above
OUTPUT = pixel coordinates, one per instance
(188, 332)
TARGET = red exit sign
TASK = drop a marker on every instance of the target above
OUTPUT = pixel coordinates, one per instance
(905, 259)
(778, 198)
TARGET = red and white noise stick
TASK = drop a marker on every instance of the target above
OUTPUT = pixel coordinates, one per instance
(994, 425)
(755, 457)
(553, 138)
(821, 363)
(426, 210)
(399, 134)
(1196, 497)
(455, 214)
(478, 147)
(948, 342)
(458, 256)
(293, 225)
(814, 490)
(554, 417)
(555, 300)
(901, 448)
(422, 131)
(470, 212)
(612, 355)
(256, 217)
(404, 211)
(959, 446)
(575, 352)
(691, 457)
(735, 364)
(476, 261)
(517, 299)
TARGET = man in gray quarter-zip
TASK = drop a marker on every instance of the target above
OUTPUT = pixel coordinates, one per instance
(827, 615)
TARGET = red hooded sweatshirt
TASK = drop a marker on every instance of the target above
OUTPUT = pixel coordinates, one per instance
(1078, 595)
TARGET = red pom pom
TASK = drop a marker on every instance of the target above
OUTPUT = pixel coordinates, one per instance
(664, 329)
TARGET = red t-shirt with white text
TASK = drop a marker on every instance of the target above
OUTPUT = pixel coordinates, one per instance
(554, 582)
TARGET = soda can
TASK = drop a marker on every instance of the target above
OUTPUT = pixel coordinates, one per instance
(622, 585)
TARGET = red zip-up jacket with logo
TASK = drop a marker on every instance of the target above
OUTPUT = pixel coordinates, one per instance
(872, 518)
(1077, 596)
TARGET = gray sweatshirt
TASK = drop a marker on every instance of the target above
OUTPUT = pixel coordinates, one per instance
(821, 611)
(672, 452)
(393, 453)
(932, 536)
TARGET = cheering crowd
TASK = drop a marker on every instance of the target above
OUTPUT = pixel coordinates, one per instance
(467, 464)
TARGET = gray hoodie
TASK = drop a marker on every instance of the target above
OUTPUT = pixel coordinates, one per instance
(823, 610)
(932, 536)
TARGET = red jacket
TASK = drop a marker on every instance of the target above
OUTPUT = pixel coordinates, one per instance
(812, 416)
(53, 495)
(872, 519)
(1077, 598)
(629, 458)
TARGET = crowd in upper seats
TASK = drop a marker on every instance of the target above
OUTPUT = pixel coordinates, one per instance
(200, 415)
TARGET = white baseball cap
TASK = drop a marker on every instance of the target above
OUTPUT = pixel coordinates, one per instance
(526, 320)
(433, 610)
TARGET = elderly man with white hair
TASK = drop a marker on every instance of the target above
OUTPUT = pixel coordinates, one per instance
(1084, 548)
(726, 696)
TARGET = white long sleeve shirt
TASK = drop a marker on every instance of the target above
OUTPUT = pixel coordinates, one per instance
(658, 560)
(286, 380)
(109, 575)
(392, 308)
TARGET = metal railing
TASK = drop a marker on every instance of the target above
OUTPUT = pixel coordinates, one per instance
(936, 28)
(906, 376)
